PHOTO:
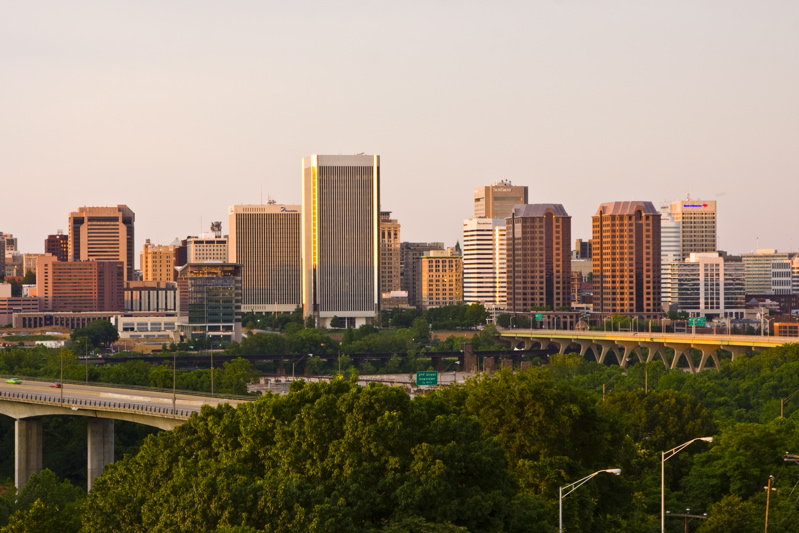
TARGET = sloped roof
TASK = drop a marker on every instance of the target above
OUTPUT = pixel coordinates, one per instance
(538, 210)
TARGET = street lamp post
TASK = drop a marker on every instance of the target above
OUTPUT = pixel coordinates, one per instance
(174, 381)
(61, 357)
(574, 486)
(664, 456)
(768, 497)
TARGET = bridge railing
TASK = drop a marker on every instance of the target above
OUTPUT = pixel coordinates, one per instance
(78, 404)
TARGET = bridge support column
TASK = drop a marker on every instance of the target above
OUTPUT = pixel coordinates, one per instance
(101, 447)
(608, 347)
(27, 450)
(679, 351)
(737, 351)
(630, 349)
(708, 351)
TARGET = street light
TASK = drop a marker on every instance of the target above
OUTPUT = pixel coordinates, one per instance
(574, 486)
(664, 456)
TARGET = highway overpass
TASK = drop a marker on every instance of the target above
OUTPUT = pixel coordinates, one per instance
(625, 346)
(29, 401)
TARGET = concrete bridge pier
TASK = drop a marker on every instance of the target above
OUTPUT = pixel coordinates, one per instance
(679, 351)
(608, 347)
(27, 450)
(737, 351)
(101, 447)
(708, 351)
(655, 348)
(630, 349)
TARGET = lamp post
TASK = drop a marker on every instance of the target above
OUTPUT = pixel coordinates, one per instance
(61, 357)
(574, 486)
(768, 497)
(664, 456)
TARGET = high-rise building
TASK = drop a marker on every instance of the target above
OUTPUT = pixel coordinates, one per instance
(758, 268)
(265, 240)
(626, 262)
(538, 257)
(2, 258)
(441, 278)
(157, 262)
(781, 274)
(209, 247)
(80, 286)
(340, 232)
(497, 200)
(102, 234)
(706, 284)
(57, 245)
(688, 226)
(209, 302)
(484, 262)
(10, 242)
(411, 269)
(795, 274)
(582, 249)
(390, 254)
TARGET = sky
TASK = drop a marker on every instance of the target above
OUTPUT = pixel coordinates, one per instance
(180, 109)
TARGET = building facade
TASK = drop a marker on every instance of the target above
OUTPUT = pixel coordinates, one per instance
(390, 254)
(103, 234)
(411, 270)
(538, 258)
(209, 302)
(340, 232)
(209, 247)
(151, 297)
(758, 268)
(497, 200)
(626, 262)
(688, 226)
(80, 286)
(441, 278)
(57, 245)
(706, 284)
(266, 241)
(157, 262)
(484, 278)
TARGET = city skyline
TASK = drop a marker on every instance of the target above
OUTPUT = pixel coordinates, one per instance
(194, 107)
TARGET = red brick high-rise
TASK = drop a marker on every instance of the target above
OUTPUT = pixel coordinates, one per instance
(80, 286)
(57, 245)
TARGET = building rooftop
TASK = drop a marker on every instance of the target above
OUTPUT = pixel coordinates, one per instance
(627, 208)
(538, 210)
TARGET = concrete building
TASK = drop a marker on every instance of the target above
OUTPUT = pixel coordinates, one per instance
(795, 274)
(484, 279)
(626, 262)
(80, 286)
(151, 297)
(706, 284)
(9, 305)
(582, 249)
(2, 258)
(758, 270)
(9, 241)
(103, 234)
(266, 241)
(390, 254)
(441, 277)
(781, 277)
(57, 245)
(497, 200)
(688, 226)
(29, 262)
(411, 270)
(157, 262)
(146, 327)
(538, 258)
(209, 302)
(209, 247)
(341, 239)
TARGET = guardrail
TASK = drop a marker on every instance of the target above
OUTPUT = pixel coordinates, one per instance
(77, 404)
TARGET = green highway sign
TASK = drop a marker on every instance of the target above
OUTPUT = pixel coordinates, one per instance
(697, 321)
(428, 377)
(539, 317)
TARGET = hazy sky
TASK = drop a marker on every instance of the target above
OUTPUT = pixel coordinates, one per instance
(181, 108)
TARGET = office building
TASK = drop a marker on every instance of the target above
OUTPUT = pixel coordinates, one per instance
(688, 226)
(209, 302)
(209, 247)
(538, 258)
(441, 278)
(706, 284)
(103, 234)
(582, 249)
(626, 262)
(497, 200)
(155, 297)
(411, 270)
(9, 241)
(758, 268)
(2, 258)
(80, 286)
(484, 262)
(29, 262)
(781, 276)
(265, 240)
(157, 262)
(340, 231)
(9, 305)
(57, 245)
(795, 274)
(390, 254)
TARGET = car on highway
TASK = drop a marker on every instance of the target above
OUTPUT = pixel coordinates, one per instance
(14, 381)
(55, 385)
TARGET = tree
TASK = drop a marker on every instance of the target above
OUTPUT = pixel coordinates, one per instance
(98, 333)
(30, 278)
(336, 323)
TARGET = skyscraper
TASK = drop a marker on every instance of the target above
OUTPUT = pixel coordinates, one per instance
(57, 245)
(758, 267)
(265, 240)
(538, 257)
(411, 269)
(626, 237)
(497, 200)
(102, 234)
(484, 262)
(390, 277)
(80, 286)
(688, 226)
(340, 232)
(157, 262)
(441, 278)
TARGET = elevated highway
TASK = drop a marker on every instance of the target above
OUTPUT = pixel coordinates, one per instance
(29, 401)
(625, 346)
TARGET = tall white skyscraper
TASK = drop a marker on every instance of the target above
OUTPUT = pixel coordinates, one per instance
(693, 223)
(340, 238)
(484, 262)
